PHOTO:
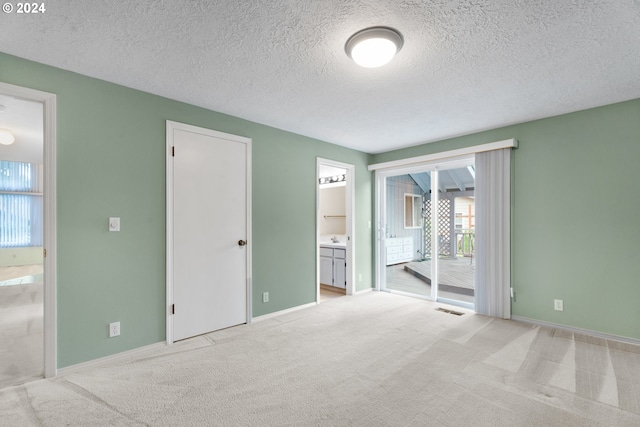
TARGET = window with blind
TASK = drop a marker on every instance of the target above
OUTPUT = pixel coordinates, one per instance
(21, 210)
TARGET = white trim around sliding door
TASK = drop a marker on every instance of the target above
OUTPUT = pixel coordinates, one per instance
(441, 160)
(445, 156)
(381, 204)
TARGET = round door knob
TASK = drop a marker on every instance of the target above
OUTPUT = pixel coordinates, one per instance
(242, 242)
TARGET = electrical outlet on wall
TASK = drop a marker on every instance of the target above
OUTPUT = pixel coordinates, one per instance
(558, 305)
(265, 297)
(114, 329)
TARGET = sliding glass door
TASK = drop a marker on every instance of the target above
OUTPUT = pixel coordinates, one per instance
(426, 235)
(404, 255)
(454, 233)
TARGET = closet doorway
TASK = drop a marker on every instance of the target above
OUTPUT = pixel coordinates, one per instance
(335, 242)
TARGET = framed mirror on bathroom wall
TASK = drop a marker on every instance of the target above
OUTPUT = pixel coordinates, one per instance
(412, 211)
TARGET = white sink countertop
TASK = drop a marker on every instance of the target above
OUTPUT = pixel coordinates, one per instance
(326, 242)
(330, 244)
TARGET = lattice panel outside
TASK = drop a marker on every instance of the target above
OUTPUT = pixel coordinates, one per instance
(444, 220)
(444, 227)
(427, 227)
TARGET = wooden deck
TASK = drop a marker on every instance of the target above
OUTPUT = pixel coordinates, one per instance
(455, 272)
(456, 277)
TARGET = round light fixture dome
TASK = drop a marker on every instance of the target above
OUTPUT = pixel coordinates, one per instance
(374, 47)
(6, 137)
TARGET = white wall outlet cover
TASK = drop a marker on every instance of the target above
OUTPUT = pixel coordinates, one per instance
(114, 223)
(558, 305)
(114, 329)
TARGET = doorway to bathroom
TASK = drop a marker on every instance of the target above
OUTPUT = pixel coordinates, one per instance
(334, 229)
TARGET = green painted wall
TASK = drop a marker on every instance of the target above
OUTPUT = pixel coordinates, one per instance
(111, 162)
(576, 200)
(574, 234)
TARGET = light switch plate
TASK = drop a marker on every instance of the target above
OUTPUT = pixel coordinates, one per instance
(114, 223)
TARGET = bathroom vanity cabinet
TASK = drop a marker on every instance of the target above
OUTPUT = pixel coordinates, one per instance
(333, 266)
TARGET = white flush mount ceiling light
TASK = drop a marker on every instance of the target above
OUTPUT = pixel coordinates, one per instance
(6, 137)
(373, 47)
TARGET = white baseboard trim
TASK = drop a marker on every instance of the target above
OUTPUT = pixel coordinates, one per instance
(281, 312)
(577, 330)
(129, 354)
(364, 290)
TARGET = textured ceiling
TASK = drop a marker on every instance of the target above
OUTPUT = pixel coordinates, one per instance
(25, 120)
(465, 66)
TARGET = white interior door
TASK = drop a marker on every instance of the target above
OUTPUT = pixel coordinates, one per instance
(209, 231)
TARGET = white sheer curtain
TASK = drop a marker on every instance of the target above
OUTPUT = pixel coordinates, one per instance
(493, 233)
(21, 209)
(37, 205)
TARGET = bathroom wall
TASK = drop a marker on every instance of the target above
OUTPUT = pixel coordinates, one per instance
(333, 203)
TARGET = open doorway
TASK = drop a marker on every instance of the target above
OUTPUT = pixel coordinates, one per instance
(21, 240)
(27, 229)
(334, 229)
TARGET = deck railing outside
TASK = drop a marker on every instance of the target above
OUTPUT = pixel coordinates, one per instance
(465, 242)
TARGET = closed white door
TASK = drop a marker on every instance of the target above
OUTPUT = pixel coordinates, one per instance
(209, 231)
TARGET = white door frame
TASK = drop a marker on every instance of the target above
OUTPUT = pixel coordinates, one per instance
(350, 222)
(171, 127)
(49, 236)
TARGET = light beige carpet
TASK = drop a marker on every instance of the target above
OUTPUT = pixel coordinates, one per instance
(371, 360)
(21, 324)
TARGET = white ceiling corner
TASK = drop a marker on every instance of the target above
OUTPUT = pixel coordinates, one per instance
(465, 66)
(25, 120)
